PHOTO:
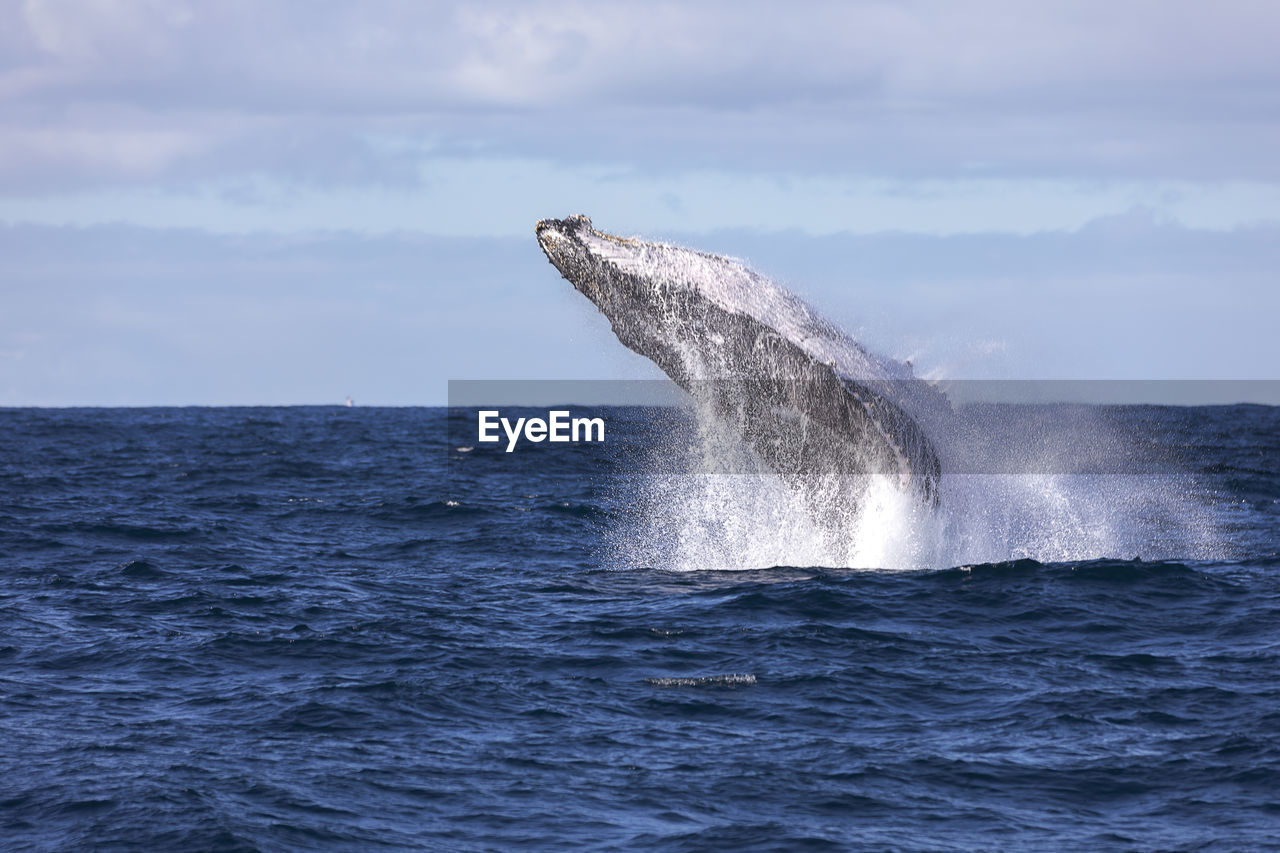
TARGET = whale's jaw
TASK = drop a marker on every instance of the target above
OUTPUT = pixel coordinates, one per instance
(760, 357)
(558, 239)
(562, 243)
(587, 258)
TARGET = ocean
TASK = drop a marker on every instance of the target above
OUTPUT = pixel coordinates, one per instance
(306, 628)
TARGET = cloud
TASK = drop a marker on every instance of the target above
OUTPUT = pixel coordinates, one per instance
(712, 55)
(329, 92)
(48, 157)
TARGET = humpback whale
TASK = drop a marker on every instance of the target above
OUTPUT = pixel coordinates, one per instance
(808, 399)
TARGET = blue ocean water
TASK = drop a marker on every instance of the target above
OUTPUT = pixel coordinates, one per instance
(333, 628)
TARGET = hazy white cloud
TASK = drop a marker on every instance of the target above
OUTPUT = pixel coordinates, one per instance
(93, 32)
(148, 90)
(407, 55)
(49, 156)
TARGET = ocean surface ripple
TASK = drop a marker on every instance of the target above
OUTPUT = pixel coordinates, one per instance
(302, 628)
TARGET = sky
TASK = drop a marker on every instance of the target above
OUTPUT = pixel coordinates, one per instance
(277, 202)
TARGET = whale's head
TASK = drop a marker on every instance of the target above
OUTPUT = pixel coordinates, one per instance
(629, 278)
(692, 312)
(662, 299)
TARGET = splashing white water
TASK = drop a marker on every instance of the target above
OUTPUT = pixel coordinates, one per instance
(709, 502)
(722, 507)
(726, 517)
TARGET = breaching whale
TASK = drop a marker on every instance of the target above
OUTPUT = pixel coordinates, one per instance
(807, 398)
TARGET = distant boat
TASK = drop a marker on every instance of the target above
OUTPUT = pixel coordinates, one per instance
(350, 402)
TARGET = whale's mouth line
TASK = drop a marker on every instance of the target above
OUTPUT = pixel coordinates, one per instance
(548, 230)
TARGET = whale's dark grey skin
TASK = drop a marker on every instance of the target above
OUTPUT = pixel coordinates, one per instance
(807, 398)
